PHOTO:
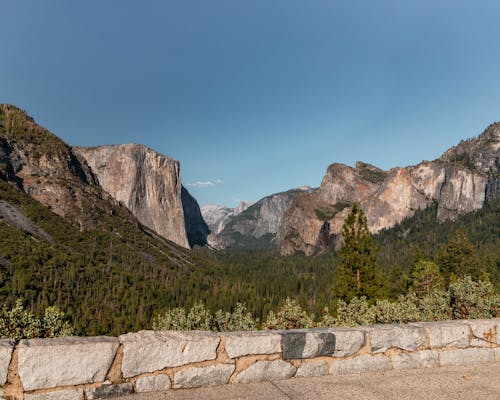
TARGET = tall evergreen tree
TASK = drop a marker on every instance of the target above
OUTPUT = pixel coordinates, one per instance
(358, 273)
(458, 258)
(425, 278)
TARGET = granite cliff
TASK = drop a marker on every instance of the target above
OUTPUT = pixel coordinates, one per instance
(462, 180)
(218, 216)
(256, 227)
(149, 185)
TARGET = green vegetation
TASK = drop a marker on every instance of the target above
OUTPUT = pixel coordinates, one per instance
(111, 275)
(372, 174)
(464, 299)
(357, 273)
(328, 212)
(17, 323)
(478, 232)
(200, 318)
(289, 316)
(115, 279)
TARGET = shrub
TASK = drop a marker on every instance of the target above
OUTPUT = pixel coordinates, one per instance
(17, 323)
(289, 316)
(435, 306)
(177, 319)
(357, 312)
(473, 299)
(238, 320)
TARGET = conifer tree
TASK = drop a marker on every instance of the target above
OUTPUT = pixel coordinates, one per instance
(425, 278)
(358, 273)
(459, 258)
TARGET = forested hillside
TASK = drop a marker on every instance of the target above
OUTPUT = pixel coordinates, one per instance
(64, 241)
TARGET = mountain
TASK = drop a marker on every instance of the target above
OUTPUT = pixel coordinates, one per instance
(149, 185)
(217, 216)
(256, 227)
(66, 241)
(462, 180)
(197, 230)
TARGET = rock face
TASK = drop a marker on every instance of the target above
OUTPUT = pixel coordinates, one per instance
(217, 216)
(462, 180)
(257, 226)
(149, 185)
(197, 230)
(146, 182)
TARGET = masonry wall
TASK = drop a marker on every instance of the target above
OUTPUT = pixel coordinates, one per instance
(77, 368)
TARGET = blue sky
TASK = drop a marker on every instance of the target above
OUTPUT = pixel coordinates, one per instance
(256, 97)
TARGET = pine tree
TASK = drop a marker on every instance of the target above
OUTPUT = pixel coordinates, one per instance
(459, 258)
(358, 273)
(425, 278)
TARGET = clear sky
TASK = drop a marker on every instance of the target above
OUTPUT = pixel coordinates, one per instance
(255, 97)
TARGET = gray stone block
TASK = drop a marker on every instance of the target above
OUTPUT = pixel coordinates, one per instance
(485, 332)
(348, 341)
(107, 391)
(466, 356)
(212, 375)
(419, 359)
(447, 333)
(149, 351)
(48, 363)
(240, 344)
(405, 337)
(6, 348)
(154, 383)
(364, 363)
(266, 371)
(307, 344)
(315, 368)
(66, 394)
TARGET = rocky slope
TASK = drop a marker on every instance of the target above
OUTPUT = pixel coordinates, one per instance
(460, 181)
(218, 216)
(66, 241)
(256, 227)
(149, 185)
(47, 169)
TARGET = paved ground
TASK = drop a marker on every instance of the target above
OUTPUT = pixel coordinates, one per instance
(457, 383)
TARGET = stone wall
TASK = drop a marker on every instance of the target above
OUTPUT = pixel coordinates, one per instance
(76, 368)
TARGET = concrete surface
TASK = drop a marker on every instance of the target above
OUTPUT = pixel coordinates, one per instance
(453, 383)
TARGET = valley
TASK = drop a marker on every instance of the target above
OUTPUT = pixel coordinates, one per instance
(111, 236)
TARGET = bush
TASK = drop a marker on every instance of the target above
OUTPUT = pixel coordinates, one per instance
(471, 299)
(200, 318)
(435, 306)
(289, 316)
(357, 312)
(238, 320)
(176, 319)
(17, 323)
(464, 299)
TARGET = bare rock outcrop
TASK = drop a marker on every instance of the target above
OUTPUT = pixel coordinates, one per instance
(462, 180)
(257, 226)
(47, 169)
(146, 182)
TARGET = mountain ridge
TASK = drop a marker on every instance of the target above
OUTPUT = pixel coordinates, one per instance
(460, 181)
